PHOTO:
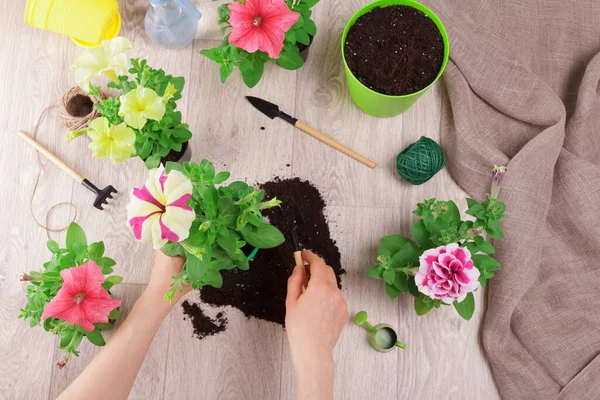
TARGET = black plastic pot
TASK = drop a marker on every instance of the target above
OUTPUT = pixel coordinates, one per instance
(185, 154)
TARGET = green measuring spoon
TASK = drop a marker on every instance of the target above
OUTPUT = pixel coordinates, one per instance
(382, 337)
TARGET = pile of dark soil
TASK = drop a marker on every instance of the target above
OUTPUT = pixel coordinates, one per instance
(261, 291)
(203, 324)
(394, 50)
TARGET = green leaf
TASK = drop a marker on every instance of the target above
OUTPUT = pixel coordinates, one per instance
(65, 339)
(253, 68)
(52, 246)
(196, 268)
(290, 60)
(76, 237)
(114, 314)
(227, 243)
(393, 243)
(487, 248)
(221, 177)
(265, 236)
(225, 71)
(485, 263)
(465, 308)
(407, 254)
(389, 276)
(310, 27)
(391, 290)
(493, 230)
(375, 272)
(172, 249)
(95, 337)
(214, 54)
(96, 250)
(145, 150)
(401, 281)
(103, 326)
(422, 304)
(111, 281)
(153, 161)
(422, 235)
(106, 264)
(302, 37)
(213, 278)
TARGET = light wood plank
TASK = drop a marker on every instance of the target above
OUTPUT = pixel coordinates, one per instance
(244, 362)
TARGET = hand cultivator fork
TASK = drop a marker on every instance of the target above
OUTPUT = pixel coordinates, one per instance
(102, 195)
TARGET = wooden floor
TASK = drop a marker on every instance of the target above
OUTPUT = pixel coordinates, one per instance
(251, 360)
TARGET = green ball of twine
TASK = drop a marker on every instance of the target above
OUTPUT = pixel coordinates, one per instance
(420, 161)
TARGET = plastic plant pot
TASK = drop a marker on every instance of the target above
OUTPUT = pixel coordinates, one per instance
(382, 105)
(87, 22)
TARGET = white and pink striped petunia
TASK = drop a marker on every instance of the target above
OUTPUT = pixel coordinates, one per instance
(158, 212)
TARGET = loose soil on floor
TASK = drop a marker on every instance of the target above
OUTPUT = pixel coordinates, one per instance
(395, 50)
(261, 291)
(203, 324)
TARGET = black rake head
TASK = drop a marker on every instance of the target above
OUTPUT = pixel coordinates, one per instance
(102, 195)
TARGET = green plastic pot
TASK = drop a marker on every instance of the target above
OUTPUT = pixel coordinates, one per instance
(382, 105)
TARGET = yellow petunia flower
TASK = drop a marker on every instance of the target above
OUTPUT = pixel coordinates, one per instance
(169, 93)
(109, 59)
(113, 142)
(140, 105)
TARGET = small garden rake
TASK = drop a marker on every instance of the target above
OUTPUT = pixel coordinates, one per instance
(102, 195)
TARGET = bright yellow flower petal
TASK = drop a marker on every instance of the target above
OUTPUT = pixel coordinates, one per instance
(123, 135)
(169, 93)
(139, 105)
(98, 128)
(110, 58)
(112, 142)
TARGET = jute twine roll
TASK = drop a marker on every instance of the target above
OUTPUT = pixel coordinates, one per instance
(76, 110)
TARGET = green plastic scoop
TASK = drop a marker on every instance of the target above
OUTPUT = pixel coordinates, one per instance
(382, 337)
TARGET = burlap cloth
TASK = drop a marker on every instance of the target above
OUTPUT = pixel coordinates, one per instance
(523, 92)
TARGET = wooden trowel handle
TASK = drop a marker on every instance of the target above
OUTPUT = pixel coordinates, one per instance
(336, 145)
(50, 156)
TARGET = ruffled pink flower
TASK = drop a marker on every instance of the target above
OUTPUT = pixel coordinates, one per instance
(447, 273)
(260, 25)
(81, 300)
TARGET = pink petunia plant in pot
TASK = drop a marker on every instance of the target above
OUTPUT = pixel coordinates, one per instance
(70, 296)
(448, 258)
(261, 31)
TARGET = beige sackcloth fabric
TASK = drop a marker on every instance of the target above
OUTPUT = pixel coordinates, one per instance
(523, 91)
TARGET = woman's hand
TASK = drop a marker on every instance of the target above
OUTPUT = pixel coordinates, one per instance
(315, 317)
(164, 269)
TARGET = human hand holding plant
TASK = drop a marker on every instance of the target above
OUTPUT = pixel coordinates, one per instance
(314, 321)
(164, 270)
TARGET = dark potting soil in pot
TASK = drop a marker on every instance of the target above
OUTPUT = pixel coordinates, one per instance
(260, 292)
(394, 50)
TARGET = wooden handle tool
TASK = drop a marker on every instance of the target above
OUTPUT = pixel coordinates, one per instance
(52, 157)
(333, 143)
(102, 195)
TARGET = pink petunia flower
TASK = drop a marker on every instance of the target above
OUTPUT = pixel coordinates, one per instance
(158, 211)
(260, 25)
(81, 300)
(447, 273)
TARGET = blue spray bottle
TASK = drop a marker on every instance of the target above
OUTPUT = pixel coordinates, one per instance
(172, 23)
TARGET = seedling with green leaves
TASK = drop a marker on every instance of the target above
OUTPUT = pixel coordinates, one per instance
(44, 285)
(440, 224)
(227, 218)
(252, 65)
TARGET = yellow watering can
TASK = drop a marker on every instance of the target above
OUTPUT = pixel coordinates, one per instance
(87, 22)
